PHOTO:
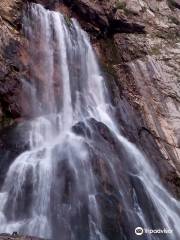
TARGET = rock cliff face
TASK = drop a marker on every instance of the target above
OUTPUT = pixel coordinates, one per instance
(152, 66)
(137, 42)
(147, 69)
(10, 40)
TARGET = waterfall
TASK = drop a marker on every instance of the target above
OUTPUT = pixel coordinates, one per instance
(65, 184)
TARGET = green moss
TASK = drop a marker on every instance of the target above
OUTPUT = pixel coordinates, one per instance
(5, 121)
(68, 20)
(120, 4)
(109, 70)
(156, 50)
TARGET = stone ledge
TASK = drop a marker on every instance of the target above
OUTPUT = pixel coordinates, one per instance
(15, 236)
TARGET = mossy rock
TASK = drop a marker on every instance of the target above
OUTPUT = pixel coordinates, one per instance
(120, 4)
(68, 20)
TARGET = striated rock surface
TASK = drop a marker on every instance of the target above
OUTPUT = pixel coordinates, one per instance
(145, 69)
(148, 71)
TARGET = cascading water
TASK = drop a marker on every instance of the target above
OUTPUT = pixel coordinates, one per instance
(55, 190)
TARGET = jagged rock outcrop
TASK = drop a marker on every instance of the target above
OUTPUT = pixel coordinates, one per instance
(105, 17)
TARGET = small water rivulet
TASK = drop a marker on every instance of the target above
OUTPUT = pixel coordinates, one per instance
(80, 179)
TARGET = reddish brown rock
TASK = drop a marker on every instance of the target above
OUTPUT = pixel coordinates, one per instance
(10, 40)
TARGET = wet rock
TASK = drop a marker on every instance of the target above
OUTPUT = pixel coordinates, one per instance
(104, 148)
(13, 141)
(82, 129)
(17, 237)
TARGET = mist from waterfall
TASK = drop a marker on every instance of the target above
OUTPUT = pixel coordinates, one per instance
(54, 190)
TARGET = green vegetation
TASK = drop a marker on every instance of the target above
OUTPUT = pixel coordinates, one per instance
(5, 121)
(120, 4)
(68, 20)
